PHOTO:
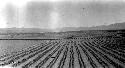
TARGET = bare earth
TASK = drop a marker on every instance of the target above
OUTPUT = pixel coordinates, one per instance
(74, 49)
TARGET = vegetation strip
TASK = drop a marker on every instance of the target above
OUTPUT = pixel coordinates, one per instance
(39, 57)
(25, 52)
(88, 57)
(71, 62)
(47, 58)
(56, 58)
(81, 62)
(30, 56)
(116, 65)
(63, 59)
(103, 63)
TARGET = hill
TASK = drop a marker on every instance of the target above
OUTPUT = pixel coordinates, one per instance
(115, 26)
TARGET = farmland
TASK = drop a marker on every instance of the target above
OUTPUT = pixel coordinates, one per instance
(72, 49)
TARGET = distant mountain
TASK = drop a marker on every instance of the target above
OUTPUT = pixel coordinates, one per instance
(115, 26)
(111, 26)
(38, 30)
(23, 30)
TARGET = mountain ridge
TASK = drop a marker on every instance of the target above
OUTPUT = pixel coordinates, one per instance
(115, 26)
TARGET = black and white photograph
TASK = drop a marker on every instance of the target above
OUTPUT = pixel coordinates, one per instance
(62, 33)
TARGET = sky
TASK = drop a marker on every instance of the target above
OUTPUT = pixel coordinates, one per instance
(52, 14)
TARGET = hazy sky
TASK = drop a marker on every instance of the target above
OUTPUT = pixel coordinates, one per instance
(64, 13)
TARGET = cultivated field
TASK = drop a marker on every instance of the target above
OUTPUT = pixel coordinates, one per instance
(73, 49)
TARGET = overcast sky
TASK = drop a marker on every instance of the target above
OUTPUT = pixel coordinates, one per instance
(56, 14)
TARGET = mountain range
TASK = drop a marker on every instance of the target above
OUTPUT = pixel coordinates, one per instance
(115, 26)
